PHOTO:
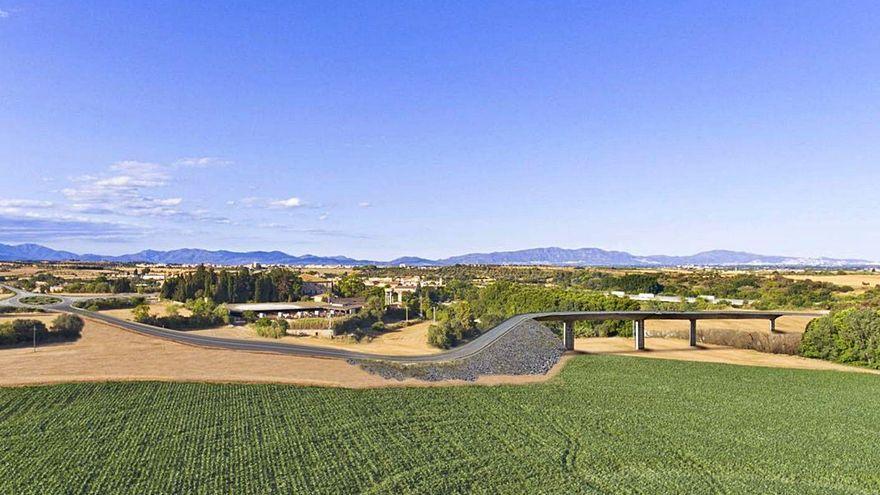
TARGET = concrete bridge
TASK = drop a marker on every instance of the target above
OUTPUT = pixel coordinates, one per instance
(639, 317)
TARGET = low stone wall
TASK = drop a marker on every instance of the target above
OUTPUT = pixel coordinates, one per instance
(530, 348)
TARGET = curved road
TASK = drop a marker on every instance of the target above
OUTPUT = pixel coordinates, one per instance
(470, 348)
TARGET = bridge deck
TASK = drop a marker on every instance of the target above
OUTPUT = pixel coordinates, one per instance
(659, 315)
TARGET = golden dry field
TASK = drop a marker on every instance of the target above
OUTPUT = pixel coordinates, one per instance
(46, 318)
(858, 281)
(408, 341)
(156, 308)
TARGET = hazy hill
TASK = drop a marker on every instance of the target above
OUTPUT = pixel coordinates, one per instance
(538, 256)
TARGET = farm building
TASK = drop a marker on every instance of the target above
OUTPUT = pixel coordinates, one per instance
(298, 309)
(313, 286)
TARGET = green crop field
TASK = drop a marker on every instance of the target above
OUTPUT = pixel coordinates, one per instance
(606, 424)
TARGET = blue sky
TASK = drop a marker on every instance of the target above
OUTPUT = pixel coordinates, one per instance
(378, 129)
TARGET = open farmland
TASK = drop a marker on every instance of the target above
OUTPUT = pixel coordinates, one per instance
(605, 424)
(860, 281)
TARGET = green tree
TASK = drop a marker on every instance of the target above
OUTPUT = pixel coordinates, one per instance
(68, 325)
(439, 337)
(350, 285)
(374, 307)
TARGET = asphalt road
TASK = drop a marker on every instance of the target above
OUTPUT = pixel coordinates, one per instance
(66, 306)
(472, 347)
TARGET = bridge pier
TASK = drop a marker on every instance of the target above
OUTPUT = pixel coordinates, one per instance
(568, 335)
(639, 334)
(772, 325)
(693, 334)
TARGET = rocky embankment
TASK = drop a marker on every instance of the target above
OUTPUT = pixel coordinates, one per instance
(530, 348)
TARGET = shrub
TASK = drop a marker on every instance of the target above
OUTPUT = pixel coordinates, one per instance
(205, 318)
(24, 330)
(439, 337)
(850, 336)
(102, 303)
(355, 323)
(40, 300)
(7, 334)
(68, 325)
(605, 328)
(249, 316)
(141, 313)
(311, 323)
(275, 329)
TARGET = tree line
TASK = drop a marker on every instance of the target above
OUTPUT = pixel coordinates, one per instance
(24, 331)
(235, 286)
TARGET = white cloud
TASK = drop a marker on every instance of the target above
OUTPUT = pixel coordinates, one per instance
(323, 216)
(24, 203)
(4, 14)
(365, 204)
(250, 201)
(126, 190)
(201, 161)
(293, 202)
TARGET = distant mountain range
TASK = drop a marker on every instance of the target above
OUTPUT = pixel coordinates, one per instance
(539, 256)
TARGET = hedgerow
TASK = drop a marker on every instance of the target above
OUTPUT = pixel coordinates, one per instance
(105, 303)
